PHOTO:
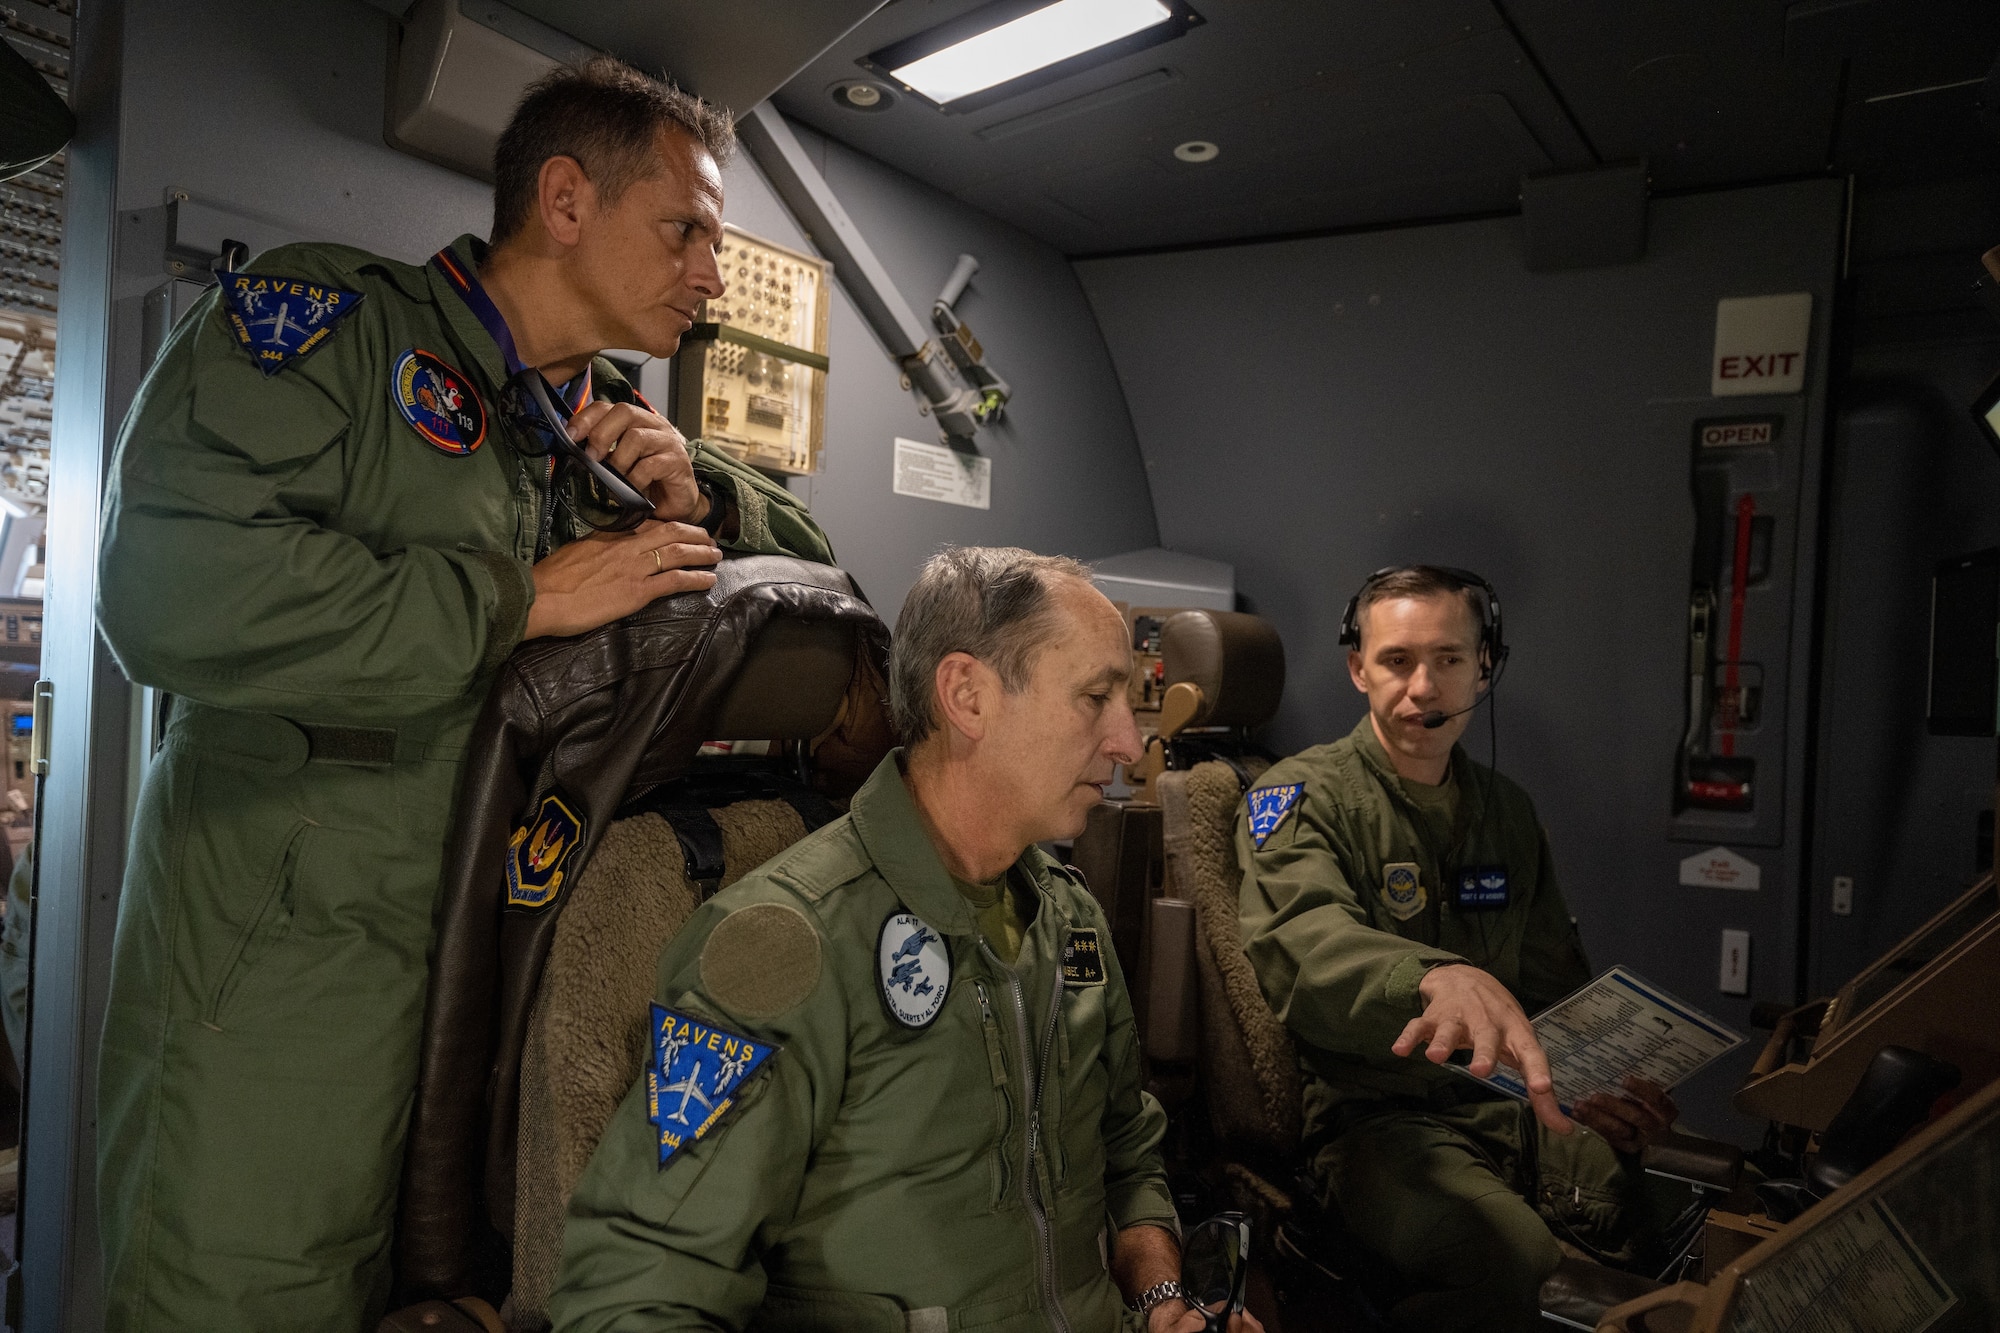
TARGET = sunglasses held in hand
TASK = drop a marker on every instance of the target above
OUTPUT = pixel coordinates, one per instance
(547, 417)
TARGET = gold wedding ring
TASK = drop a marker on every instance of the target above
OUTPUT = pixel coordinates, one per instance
(659, 564)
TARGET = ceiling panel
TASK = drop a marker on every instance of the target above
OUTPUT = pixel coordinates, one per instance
(1329, 114)
(1700, 88)
(1717, 91)
(735, 54)
(1405, 138)
(1338, 113)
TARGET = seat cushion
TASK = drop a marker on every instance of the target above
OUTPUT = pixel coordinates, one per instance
(586, 1040)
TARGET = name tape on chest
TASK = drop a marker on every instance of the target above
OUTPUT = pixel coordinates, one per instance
(1483, 889)
(1403, 891)
(693, 1074)
(1269, 806)
(438, 402)
(1083, 958)
(914, 967)
(278, 320)
(538, 854)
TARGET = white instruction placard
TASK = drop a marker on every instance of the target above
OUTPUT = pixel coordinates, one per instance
(1615, 1026)
(933, 472)
(1860, 1273)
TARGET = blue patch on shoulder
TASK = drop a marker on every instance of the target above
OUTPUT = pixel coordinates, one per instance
(279, 320)
(695, 1069)
(1269, 806)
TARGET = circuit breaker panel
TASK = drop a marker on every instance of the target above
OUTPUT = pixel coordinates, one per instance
(751, 378)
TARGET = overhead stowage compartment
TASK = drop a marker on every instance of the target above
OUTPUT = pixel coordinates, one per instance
(460, 67)
(455, 84)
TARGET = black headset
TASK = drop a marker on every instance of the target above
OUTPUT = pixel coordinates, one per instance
(1492, 641)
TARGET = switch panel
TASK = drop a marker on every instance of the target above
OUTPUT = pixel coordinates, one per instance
(1843, 895)
(1735, 962)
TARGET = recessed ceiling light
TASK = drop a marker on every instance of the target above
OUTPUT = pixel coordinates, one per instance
(1009, 46)
(858, 96)
(1197, 150)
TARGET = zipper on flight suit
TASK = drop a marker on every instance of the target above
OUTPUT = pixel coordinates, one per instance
(545, 538)
(996, 1063)
(1031, 1086)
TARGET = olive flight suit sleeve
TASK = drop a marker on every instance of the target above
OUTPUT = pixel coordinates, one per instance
(1135, 1177)
(770, 519)
(659, 1248)
(1332, 978)
(1553, 962)
(226, 576)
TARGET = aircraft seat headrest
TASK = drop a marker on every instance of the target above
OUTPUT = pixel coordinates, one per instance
(1237, 660)
(791, 683)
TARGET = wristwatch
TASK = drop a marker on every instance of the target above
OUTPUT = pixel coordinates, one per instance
(718, 508)
(1153, 1295)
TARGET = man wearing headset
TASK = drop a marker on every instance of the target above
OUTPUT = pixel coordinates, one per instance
(1399, 901)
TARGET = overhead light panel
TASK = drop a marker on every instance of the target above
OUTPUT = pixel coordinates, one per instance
(1010, 46)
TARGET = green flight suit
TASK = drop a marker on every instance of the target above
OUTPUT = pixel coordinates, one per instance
(327, 596)
(1346, 902)
(967, 1174)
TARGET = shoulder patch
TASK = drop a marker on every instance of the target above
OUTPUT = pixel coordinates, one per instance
(914, 967)
(761, 960)
(538, 854)
(438, 402)
(1269, 806)
(278, 320)
(693, 1074)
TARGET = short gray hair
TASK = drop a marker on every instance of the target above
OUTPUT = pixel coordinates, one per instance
(992, 602)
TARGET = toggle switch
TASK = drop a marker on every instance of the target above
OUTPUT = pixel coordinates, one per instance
(1735, 962)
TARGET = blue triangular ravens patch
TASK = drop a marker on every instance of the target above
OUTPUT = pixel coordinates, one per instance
(694, 1072)
(1269, 806)
(279, 320)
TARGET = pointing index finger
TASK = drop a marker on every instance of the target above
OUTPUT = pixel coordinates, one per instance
(1534, 1066)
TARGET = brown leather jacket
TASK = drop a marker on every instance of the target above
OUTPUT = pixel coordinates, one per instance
(593, 720)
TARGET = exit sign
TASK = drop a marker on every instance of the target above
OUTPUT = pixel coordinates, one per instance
(1760, 344)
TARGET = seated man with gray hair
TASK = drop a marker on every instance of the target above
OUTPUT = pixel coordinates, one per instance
(893, 1079)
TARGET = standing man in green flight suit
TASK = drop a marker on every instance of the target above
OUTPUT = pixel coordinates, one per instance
(337, 505)
(894, 1080)
(1399, 898)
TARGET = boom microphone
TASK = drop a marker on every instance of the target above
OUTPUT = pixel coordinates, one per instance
(1434, 719)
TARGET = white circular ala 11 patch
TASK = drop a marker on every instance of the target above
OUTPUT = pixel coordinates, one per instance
(915, 969)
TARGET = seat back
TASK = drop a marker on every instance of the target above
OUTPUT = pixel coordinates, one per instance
(586, 1039)
(780, 651)
(1235, 660)
(1248, 1067)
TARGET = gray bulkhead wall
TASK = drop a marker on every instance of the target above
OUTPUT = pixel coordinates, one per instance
(1912, 481)
(271, 112)
(1312, 410)
(1067, 475)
